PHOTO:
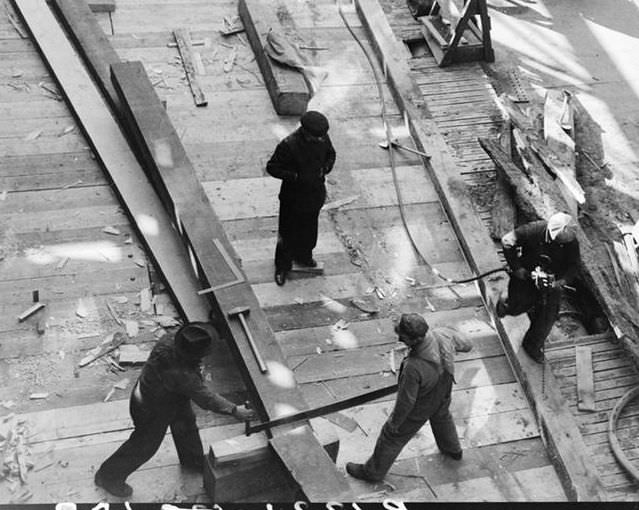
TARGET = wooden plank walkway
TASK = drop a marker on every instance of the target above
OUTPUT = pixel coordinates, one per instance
(614, 374)
(229, 143)
(462, 105)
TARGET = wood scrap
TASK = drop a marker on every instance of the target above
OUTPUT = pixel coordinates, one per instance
(585, 379)
(110, 343)
(185, 47)
(109, 395)
(145, 300)
(132, 328)
(229, 61)
(81, 310)
(231, 26)
(36, 307)
(364, 306)
(628, 239)
(132, 355)
(111, 230)
(562, 171)
(16, 25)
(342, 421)
(194, 42)
(113, 313)
(33, 135)
(555, 106)
(123, 384)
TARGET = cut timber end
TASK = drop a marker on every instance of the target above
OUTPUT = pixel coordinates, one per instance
(101, 5)
(235, 467)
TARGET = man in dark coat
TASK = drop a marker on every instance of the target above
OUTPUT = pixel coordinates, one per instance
(424, 391)
(543, 257)
(161, 398)
(301, 160)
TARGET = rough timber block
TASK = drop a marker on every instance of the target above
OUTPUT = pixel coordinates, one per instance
(101, 5)
(286, 86)
(240, 480)
(235, 468)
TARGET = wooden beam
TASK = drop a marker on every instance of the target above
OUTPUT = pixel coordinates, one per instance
(189, 62)
(286, 86)
(581, 481)
(503, 214)
(138, 198)
(172, 172)
(91, 42)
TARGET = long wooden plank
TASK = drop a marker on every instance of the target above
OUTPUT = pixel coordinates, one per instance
(583, 482)
(90, 41)
(167, 162)
(287, 87)
(142, 204)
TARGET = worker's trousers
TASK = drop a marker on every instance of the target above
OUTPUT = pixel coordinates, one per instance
(150, 426)
(297, 235)
(542, 307)
(390, 443)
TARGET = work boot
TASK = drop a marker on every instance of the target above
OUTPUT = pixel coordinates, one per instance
(280, 277)
(119, 489)
(453, 455)
(500, 307)
(536, 354)
(192, 466)
(308, 262)
(359, 471)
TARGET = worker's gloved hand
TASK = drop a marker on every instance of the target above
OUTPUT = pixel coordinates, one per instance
(243, 413)
(522, 273)
(557, 284)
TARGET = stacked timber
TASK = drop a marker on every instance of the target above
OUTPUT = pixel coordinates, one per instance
(539, 170)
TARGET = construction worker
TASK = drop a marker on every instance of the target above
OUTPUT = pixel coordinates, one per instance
(301, 160)
(543, 257)
(425, 384)
(161, 398)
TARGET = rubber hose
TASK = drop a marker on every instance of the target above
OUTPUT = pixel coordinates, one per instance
(612, 435)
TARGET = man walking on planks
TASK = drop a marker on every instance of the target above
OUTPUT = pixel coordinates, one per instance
(301, 160)
(543, 257)
(425, 384)
(161, 398)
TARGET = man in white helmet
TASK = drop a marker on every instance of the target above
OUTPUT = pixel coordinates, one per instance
(543, 257)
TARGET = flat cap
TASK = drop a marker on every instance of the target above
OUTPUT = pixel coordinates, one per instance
(195, 339)
(315, 123)
(412, 325)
